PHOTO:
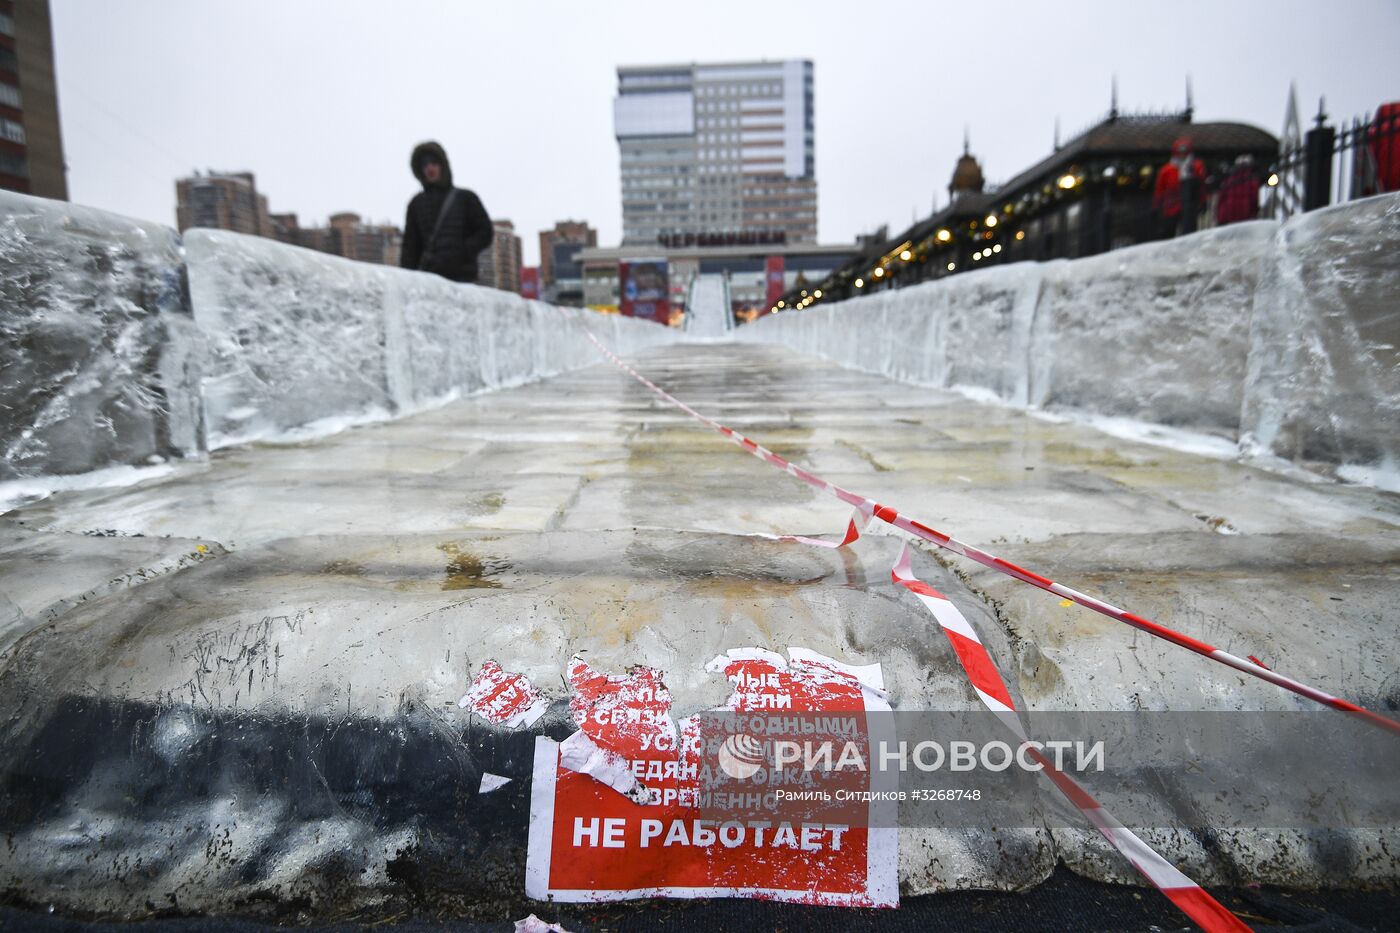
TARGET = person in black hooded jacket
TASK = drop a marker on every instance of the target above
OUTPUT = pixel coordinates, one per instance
(446, 227)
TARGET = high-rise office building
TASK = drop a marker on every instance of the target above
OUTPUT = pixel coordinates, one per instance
(721, 150)
(31, 146)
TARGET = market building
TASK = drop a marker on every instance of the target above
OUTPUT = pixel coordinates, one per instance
(1092, 194)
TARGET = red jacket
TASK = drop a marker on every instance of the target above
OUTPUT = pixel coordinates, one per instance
(1383, 137)
(1166, 200)
(1239, 196)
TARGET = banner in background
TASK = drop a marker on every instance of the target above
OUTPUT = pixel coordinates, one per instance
(773, 279)
(530, 281)
(643, 289)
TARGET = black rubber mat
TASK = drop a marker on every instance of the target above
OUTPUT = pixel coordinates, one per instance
(1065, 902)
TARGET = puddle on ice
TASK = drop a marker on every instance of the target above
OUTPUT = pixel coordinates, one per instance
(466, 571)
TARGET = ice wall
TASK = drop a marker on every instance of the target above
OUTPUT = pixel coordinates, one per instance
(1158, 332)
(970, 330)
(1324, 375)
(118, 345)
(298, 337)
(1285, 337)
(294, 336)
(96, 340)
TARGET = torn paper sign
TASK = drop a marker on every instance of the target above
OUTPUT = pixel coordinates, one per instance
(590, 843)
(580, 754)
(629, 714)
(764, 680)
(622, 719)
(490, 782)
(533, 924)
(503, 698)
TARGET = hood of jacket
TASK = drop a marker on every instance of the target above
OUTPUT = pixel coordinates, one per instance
(430, 151)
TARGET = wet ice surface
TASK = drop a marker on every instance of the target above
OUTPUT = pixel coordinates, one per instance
(278, 719)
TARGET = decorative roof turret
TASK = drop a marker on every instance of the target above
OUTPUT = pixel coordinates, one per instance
(967, 176)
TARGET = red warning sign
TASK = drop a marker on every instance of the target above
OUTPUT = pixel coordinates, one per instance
(503, 698)
(620, 811)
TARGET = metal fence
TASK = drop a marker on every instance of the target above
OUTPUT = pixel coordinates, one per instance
(1331, 164)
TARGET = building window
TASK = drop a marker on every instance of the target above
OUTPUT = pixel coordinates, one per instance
(11, 130)
(7, 25)
(9, 95)
(11, 164)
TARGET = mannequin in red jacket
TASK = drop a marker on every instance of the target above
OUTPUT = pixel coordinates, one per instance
(1180, 187)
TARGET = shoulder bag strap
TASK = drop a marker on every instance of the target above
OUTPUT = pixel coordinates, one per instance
(437, 227)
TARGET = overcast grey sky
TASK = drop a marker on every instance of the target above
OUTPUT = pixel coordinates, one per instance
(324, 100)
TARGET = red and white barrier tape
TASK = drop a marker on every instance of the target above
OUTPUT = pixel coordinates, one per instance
(982, 673)
(922, 531)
